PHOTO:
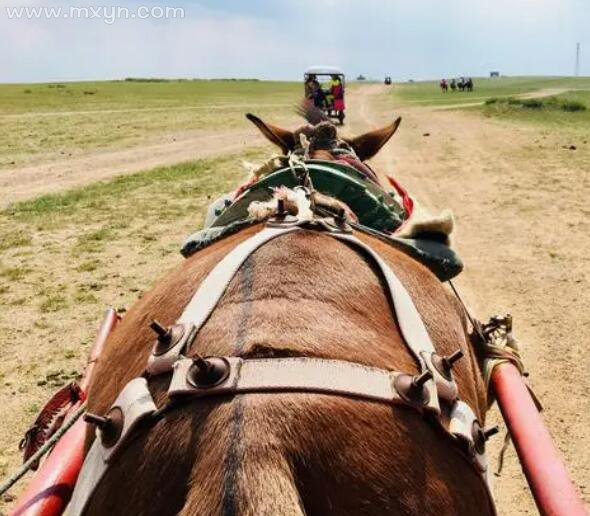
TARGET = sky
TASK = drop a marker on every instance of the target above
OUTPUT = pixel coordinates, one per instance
(279, 39)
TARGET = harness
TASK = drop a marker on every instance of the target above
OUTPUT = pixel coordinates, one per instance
(380, 213)
(432, 393)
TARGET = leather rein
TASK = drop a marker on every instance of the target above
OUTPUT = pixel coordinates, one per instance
(432, 392)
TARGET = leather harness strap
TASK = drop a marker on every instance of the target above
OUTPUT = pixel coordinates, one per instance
(210, 292)
(409, 320)
(435, 393)
(133, 405)
(296, 374)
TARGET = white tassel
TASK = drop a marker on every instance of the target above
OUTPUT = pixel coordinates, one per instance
(423, 221)
(295, 201)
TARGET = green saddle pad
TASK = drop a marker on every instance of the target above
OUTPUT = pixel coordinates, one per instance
(374, 207)
(378, 212)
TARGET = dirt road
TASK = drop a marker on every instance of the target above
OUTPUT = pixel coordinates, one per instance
(520, 201)
(32, 181)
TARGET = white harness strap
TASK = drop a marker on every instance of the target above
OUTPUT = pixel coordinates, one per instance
(408, 318)
(297, 374)
(210, 292)
(134, 403)
(214, 285)
(410, 322)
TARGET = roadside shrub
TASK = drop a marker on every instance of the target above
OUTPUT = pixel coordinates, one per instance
(572, 106)
(147, 79)
(532, 103)
(546, 103)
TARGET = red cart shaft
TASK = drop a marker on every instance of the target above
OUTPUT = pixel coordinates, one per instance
(50, 490)
(554, 491)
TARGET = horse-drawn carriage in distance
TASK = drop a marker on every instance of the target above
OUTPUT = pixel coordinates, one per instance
(324, 86)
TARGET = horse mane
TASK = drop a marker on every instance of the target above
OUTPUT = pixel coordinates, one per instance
(310, 112)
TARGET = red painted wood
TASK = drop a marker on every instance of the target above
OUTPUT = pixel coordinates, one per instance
(550, 483)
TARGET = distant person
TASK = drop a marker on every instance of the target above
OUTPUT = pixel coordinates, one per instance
(337, 93)
(311, 85)
(336, 89)
(314, 91)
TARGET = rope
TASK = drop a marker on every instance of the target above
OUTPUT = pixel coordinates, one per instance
(17, 475)
(476, 327)
(498, 346)
(295, 161)
(507, 441)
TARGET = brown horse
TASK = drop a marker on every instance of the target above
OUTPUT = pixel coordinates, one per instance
(304, 294)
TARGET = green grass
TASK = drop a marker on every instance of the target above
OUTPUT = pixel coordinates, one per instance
(160, 191)
(563, 103)
(53, 303)
(428, 93)
(88, 266)
(128, 95)
(569, 110)
(13, 273)
(15, 239)
(52, 121)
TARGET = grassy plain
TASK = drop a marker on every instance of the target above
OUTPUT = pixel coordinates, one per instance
(567, 111)
(39, 122)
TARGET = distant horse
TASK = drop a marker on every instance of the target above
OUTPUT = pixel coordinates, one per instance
(461, 84)
(444, 86)
(469, 84)
(453, 85)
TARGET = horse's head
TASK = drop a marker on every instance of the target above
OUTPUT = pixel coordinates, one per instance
(322, 141)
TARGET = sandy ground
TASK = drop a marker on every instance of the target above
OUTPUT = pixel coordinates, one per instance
(520, 201)
(31, 181)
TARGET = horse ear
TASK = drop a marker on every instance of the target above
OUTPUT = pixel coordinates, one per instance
(280, 137)
(368, 144)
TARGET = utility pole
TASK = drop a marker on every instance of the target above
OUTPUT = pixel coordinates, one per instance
(577, 70)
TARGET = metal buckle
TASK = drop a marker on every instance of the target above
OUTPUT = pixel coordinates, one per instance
(282, 221)
(162, 361)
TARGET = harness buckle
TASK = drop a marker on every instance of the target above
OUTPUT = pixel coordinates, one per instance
(283, 220)
(166, 352)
